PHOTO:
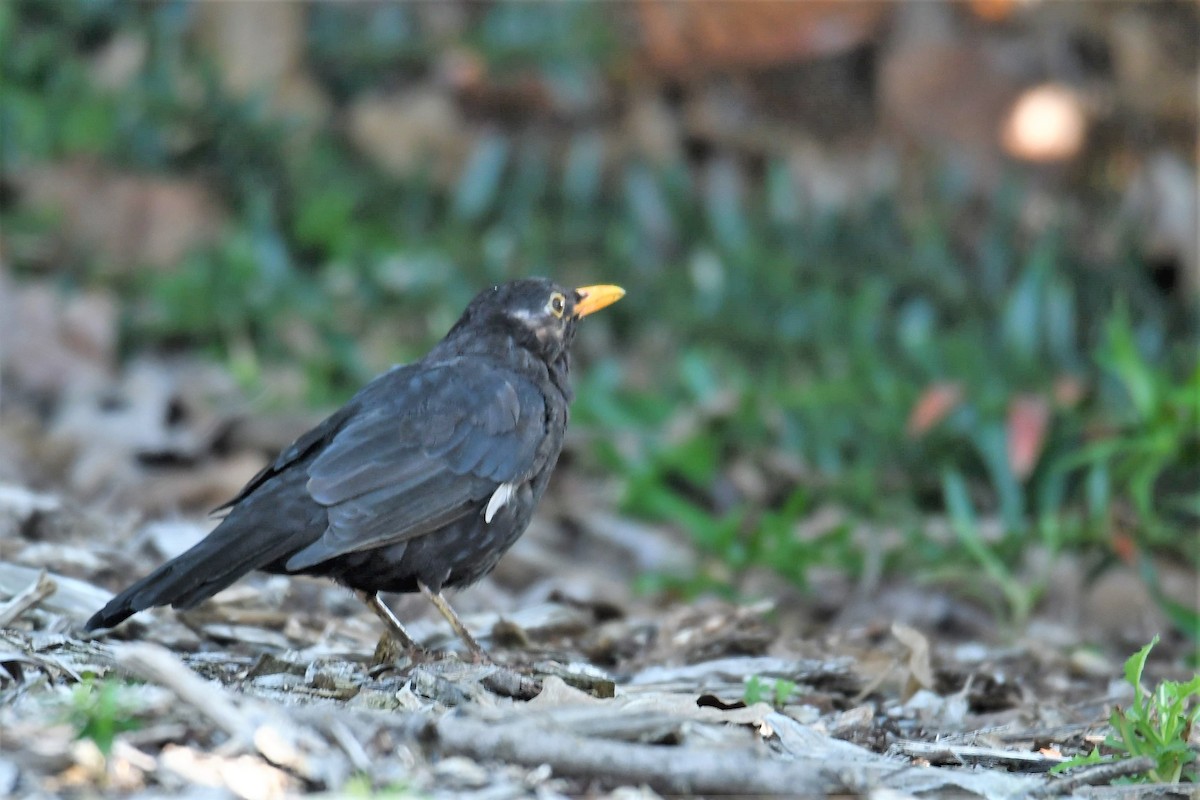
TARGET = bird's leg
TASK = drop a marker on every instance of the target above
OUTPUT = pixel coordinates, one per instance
(389, 619)
(439, 602)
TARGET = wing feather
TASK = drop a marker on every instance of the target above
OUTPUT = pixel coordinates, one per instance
(437, 451)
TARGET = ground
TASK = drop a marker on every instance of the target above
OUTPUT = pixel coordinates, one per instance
(282, 686)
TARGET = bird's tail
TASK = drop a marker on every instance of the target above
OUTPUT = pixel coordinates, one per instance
(225, 555)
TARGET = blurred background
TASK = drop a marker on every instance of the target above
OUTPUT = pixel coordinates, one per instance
(912, 287)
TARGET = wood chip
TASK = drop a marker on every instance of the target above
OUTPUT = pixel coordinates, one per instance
(966, 755)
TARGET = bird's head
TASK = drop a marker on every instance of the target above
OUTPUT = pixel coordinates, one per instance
(535, 313)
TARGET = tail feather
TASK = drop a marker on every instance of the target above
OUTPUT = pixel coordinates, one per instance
(225, 555)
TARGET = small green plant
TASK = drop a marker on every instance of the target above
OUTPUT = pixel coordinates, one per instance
(1019, 594)
(102, 709)
(1157, 725)
(1151, 429)
(753, 693)
(756, 691)
(784, 689)
(360, 785)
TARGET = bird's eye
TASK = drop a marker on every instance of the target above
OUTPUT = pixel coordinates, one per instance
(558, 304)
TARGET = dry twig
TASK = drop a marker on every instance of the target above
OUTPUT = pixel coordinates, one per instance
(965, 754)
(37, 591)
(1098, 774)
(681, 770)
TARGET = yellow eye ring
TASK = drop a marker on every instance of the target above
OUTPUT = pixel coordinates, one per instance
(557, 304)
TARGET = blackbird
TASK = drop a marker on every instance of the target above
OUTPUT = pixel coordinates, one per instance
(420, 482)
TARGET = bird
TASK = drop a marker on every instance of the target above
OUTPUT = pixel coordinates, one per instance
(419, 483)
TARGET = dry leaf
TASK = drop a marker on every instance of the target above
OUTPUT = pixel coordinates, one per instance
(715, 35)
(933, 406)
(130, 220)
(993, 10)
(1028, 420)
(1125, 547)
(918, 666)
(270, 66)
(404, 132)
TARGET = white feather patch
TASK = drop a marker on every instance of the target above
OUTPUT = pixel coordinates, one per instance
(500, 498)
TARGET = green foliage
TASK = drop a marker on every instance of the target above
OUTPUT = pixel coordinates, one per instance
(100, 710)
(1155, 431)
(783, 691)
(754, 690)
(1019, 595)
(360, 785)
(1157, 725)
(777, 693)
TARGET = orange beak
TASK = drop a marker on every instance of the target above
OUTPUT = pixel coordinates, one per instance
(593, 298)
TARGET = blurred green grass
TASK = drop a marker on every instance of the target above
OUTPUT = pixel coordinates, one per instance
(755, 328)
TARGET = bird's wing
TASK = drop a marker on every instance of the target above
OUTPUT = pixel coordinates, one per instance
(314, 438)
(443, 442)
(304, 445)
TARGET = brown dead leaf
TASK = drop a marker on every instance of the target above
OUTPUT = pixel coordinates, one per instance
(933, 406)
(917, 664)
(409, 131)
(718, 35)
(993, 10)
(1124, 546)
(273, 65)
(129, 220)
(944, 89)
(1028, 421)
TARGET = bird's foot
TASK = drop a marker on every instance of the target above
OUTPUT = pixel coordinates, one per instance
(390, 652)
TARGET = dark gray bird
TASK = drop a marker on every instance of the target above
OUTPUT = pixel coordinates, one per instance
(421, 482)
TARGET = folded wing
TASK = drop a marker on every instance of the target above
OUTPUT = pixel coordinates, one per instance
(433, 453)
